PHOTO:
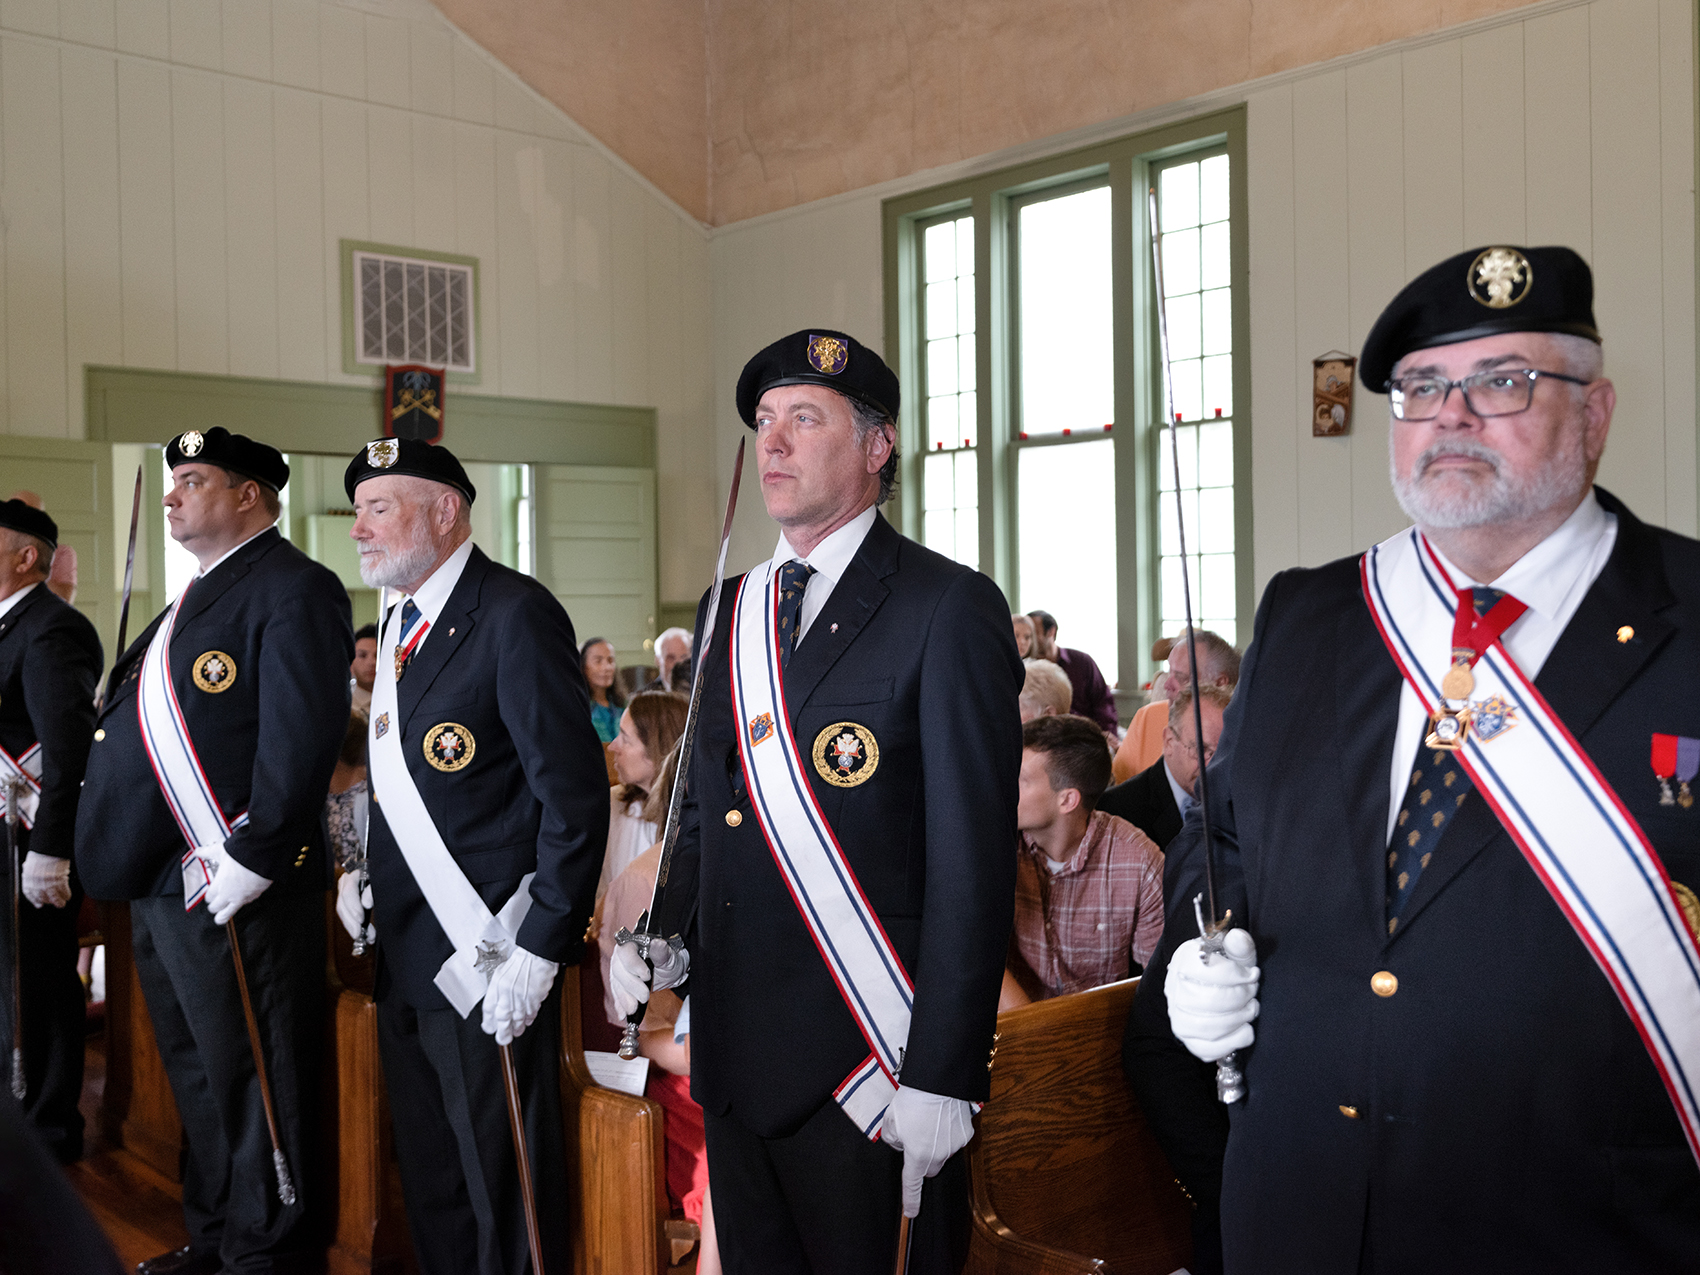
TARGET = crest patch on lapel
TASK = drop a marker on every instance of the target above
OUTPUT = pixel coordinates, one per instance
(449, 746)
(214, 671)
(846, 754)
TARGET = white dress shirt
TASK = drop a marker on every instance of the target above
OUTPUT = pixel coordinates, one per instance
(830, 559)
(1551, 579)
(12, 599)
(433, 595)
(1183, 799)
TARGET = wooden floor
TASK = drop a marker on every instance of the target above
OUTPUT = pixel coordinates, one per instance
(140, 1211)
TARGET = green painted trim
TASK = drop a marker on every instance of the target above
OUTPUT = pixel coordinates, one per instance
(1126, 162)
(350, 365)
(127, 405)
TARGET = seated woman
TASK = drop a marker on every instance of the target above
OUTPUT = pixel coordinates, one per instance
(651, 726)
(601, 676)
(345, 807)
(664, 1034)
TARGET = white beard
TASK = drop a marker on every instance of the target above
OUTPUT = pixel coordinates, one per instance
(1502, 499)
(398, 568)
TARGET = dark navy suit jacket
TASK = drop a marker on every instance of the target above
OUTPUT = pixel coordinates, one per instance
(49, 663)
(268, 740)
(501, 663)
(924, 658)
(1508, 1115)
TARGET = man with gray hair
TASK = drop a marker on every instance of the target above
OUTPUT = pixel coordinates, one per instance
(672, 661)
(1468, 910)
(489, 818)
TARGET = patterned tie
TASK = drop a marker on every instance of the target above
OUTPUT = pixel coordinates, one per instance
(793, 581)
(1438, 787)
(410, 616)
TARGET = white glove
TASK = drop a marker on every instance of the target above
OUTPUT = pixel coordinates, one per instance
(47, 881)
(631, 977)
(352, 903)
(928, 1128)
(1211, 1005)
(516, 993)
(233, 887)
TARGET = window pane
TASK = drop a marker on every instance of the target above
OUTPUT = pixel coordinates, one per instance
(965, 248)
(1067, 549)
(941, 309)
(938, 246)
(1216, 454)
(1216, 315)
(1218, 578)
(1067, 360)
(1185, 334)
(968, 538)
(949, 478)
(965, 303)
(1180, 262)
(968, 422)
(1213, 189)
(1189, 396)
(938, 529)
(1213, 530)
(1177, 197)
(1214, 259)
(941, 422)
(1218, 397)
(941, 366)
(967, 480)
(938, 484)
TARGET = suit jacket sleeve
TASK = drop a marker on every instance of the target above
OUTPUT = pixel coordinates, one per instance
(970, 733)
(305, 653)
(61, 667)
(545, 707)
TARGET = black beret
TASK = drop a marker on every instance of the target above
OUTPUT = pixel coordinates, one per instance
(236, 452)
(1483, 292)
(32, 522)
(411, 456)
(817, 356)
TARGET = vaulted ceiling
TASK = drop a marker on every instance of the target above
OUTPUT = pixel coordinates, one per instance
(740, 107)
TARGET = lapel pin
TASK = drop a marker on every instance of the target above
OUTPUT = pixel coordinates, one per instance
(834, 629)
(451, 631)
(1625, 633)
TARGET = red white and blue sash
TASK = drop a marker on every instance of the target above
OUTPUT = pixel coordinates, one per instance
(176, 765)
(1572, 828)
(25, 771)
(870, 976)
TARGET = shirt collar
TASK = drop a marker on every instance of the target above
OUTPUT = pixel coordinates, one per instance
(1544, 578)
(1097, 832)
(12, 600)
(1183, 799)
(204, 572)
(433, 595)
(831, 557)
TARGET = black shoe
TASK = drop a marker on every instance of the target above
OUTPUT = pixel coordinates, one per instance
(182, 1261)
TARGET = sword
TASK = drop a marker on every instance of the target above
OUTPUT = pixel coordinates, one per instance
(285, 1187)
(13, 788)
(129, 580)
(644, 934)
(1230, 1081)
(527, 1193)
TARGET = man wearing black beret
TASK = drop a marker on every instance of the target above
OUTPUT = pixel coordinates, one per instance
(489, 822)
(1467, 899)
(845, 875)
(50, 661)
(202, 806)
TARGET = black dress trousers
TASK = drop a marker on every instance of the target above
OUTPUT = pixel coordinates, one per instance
(454, 1145)
(183, 961)
(826, 1201)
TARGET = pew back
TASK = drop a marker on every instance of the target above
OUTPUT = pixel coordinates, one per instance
(1065, 1173)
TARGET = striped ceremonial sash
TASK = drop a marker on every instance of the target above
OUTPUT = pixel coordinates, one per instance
(25, 769)
(867, 970)
(176, 766)
(1572, 828)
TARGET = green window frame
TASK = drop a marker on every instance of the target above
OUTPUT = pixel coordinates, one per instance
(1127, 166)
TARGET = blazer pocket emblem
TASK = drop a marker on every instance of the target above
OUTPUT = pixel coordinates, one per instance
(214, 671)
(449, 746)
(846, 754)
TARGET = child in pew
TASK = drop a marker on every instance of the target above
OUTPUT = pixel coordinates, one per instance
(659, 1040)
(1088, 885)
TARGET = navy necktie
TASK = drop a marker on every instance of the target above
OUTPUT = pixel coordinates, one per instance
(793, 581)
(1437, 788)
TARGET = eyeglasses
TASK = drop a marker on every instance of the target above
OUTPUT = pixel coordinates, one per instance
(1501, 392)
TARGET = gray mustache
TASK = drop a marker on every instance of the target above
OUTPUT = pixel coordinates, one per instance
(1469, 451)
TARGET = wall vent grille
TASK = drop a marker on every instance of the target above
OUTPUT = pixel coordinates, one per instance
(413, 311)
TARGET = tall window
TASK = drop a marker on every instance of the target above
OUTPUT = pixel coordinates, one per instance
(1035, 451)
(1065, 467)
(950, 481)
(1193, 210)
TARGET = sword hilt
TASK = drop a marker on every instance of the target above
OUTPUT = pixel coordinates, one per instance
(1230, 1078)
(358, 946)
(642, 937)
(18, 1074)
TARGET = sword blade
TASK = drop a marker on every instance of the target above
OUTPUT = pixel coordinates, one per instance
(129, 581)
(13, 788)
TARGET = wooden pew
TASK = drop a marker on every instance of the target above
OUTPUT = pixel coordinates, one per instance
(1065, 1174)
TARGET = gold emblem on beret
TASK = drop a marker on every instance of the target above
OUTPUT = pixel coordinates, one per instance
(1690, 906)
(828, 354)
(1500, 277)
(846, 754)
(190, 442)
(449, 746)
(383, 453)
(214, 671)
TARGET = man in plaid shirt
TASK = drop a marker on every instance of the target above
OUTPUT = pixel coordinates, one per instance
(1089, 886)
